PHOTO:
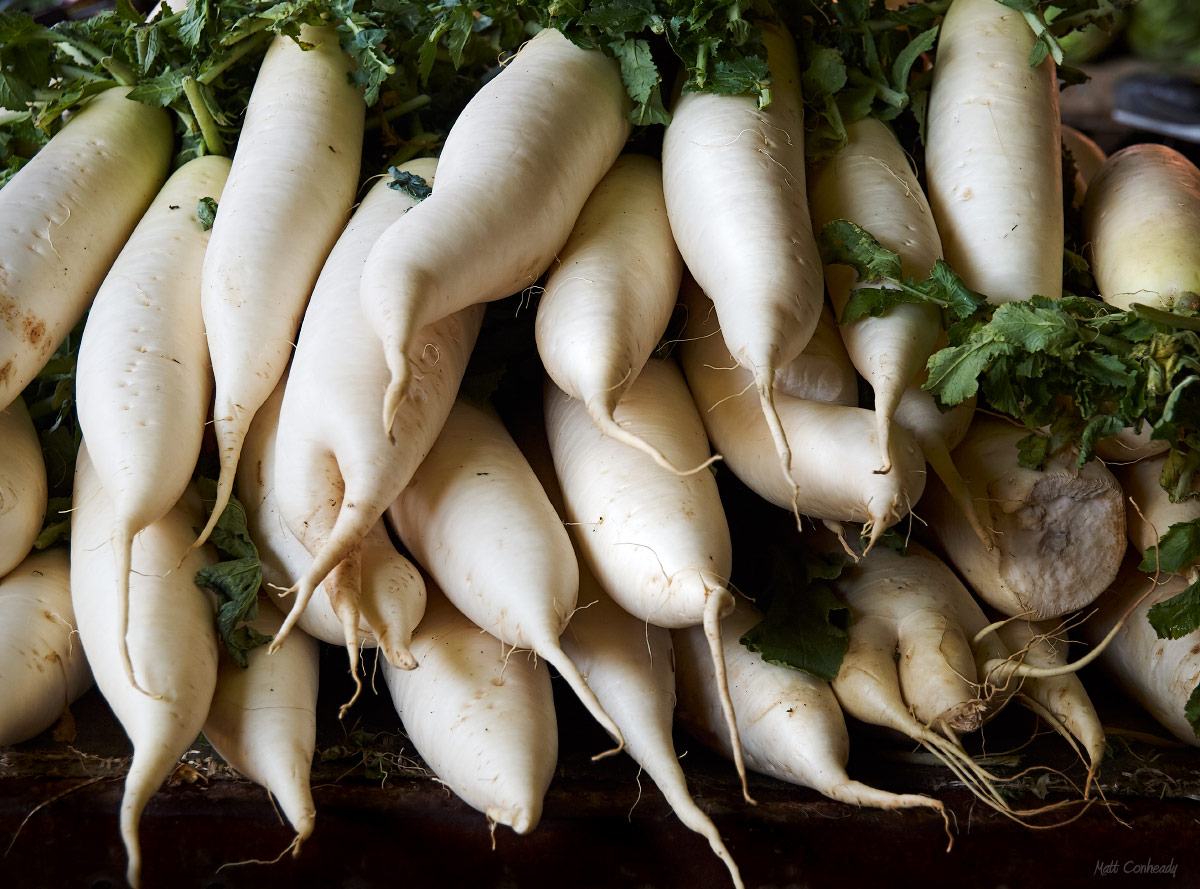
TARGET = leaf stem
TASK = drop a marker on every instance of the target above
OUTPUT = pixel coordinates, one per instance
(208, 127)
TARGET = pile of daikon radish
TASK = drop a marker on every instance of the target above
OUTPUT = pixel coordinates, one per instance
(599, 545)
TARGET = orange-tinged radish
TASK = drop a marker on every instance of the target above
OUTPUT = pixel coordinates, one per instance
(733, 176)
(610, 295)
(476, 518)
(993, 154)
(336, 470)
(67, 214)
(263, 720)
(479, 715)
(834, 451)
(42, 667)
(516, 169)
(1142, 221)
(23, 487)
(172, 638)
(288, 196)
(143, 382)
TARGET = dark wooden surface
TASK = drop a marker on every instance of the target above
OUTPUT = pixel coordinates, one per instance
(599, 829)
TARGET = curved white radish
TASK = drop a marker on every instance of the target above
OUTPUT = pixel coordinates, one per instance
(289, 194)
(143, 383)
(657, 542)
(263, 720)
(790, 723)
(610, 294)
(42, 667)
(391, 599)
(834, 450)
(336, 470)
(1088, 158)
(871, 183)
(477, 519)
(172, 638)
(630, 665)
(929, 620)
(516, 169)
(733, 176)
(479, 715)
(1142, 220)
(23, 487)
(1059, 532)
(66, 215)
(993, 155)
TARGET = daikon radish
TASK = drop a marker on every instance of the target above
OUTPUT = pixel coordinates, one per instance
(480, 716)
(476, 518)
(1059, 533)
(23, 487)
(263, 720)
(172, 638)
(657, 542)
(834, 448)
(871, 183)
(993, 155)
(42, 667)
(1160, 674)
(67, 213)
(289, 194)
(143, 382)
(1142, 220)
(610, 294)
(517, 166)
(822, 371)
(336, 470)
(733, 176)
(790, 723)
(391, 597)
(1149, 512)
(1088, 158)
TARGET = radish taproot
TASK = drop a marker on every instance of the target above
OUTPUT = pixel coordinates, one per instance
(143, 382)
(514, 173)
(23, 485)
(171, 636)
(42, 666)
(481, 716)
(476, 518)
(67, 213)
(733, 177)
(993, 156)
(288, 196)
(610, 293)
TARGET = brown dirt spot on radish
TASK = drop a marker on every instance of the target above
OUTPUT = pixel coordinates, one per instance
(34, 329)
(5, 372)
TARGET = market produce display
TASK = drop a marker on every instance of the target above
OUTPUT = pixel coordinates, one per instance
(444, 330)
